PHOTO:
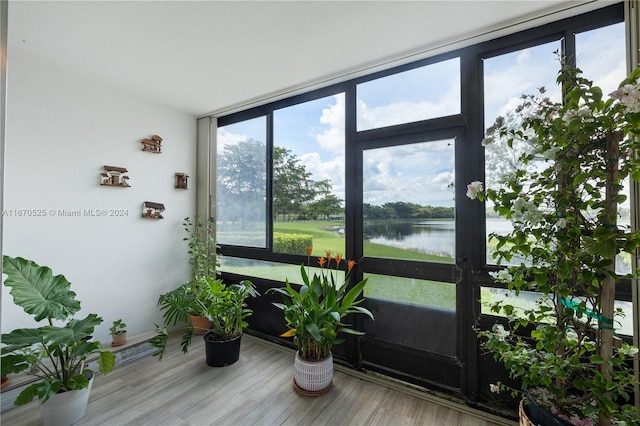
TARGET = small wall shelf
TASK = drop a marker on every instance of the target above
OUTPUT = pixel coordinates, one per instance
(151, 210)
(114, 176)
(153, 145)
(182, 181)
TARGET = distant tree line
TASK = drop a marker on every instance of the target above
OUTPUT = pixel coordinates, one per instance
(405, 210)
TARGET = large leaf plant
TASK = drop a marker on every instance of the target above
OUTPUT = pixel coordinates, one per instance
(54, 354)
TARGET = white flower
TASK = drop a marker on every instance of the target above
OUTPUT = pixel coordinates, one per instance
(628, 96)
(502, 276)
(499, 330)
(570, 114)
(628, 350)
(572, 336)
(474, 188)
(561, 223)
(494, 388)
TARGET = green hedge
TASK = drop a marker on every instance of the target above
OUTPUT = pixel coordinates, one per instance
(291, 243)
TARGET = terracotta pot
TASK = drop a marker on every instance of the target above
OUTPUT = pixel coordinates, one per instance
(200, 324)
(118, 339)
(312, 377)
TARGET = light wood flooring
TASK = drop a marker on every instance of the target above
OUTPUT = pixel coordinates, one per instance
(256, 390)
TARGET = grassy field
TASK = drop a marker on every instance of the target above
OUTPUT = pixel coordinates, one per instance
(326, 238)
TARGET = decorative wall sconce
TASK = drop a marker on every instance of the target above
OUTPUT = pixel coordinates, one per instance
(151, 210)
(113, 176)
(154, 144)
(182, 181)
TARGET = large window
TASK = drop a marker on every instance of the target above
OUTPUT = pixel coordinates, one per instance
(408, 197)
(418, 94)
(241, 167)
(308, 177)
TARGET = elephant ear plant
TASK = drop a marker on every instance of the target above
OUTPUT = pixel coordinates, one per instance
(54, 354)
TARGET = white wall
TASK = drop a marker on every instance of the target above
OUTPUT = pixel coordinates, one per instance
(61, 131)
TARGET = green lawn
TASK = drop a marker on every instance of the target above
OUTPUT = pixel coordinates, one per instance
(420, 292)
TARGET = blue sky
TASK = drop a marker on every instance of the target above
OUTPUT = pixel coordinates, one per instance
(314, 131)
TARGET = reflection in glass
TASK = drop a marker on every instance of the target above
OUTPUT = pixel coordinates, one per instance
(241, 170)
(421, 93)
(408, 210)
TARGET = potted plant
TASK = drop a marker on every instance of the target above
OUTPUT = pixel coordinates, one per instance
(55, 354)
(118, 333)
(562, 200)
(182, 303)
(226, 309)
(314, 314)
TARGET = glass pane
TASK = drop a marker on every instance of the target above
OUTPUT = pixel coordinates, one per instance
(413, 291)
(408, 210)
(272, 270)
(308, 177)
(526, 300)
(600, 54)
(241, 170)
(418, 94)
(258, 268)
(506, 79)
(601, 57)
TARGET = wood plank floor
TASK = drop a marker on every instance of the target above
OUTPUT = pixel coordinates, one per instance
(256, 390)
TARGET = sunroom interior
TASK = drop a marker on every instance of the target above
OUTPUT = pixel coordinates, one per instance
(356, 123)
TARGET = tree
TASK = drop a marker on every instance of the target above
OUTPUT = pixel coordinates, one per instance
(241, 183)
(292, 183)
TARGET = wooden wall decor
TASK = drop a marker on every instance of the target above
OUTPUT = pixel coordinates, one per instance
(182, 181)
(152, 210)
(154, 144)
(114, 176)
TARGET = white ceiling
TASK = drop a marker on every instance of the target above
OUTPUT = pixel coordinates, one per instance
(207, 56)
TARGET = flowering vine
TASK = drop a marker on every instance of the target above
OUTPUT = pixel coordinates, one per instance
(562, 199)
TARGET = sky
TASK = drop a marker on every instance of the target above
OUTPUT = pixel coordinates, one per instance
(423, 173)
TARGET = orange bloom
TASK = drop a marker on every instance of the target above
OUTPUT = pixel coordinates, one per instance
(338, 258)
(350, 265)
(321, 261)
(309, 250)
(328, 258)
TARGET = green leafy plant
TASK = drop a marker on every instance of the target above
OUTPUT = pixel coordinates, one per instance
(224, 305)
(54, 354)
(562, 200)
(315, 311)
(203, 256)
(118, 327)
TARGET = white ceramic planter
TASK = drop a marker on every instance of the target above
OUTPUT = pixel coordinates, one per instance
(65, 409)
(313, 376)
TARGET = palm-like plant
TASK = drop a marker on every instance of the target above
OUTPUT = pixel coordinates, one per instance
(314, 313)
(55, 354)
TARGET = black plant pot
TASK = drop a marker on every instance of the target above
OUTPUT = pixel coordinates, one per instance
(221, 352)
(541, 416)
